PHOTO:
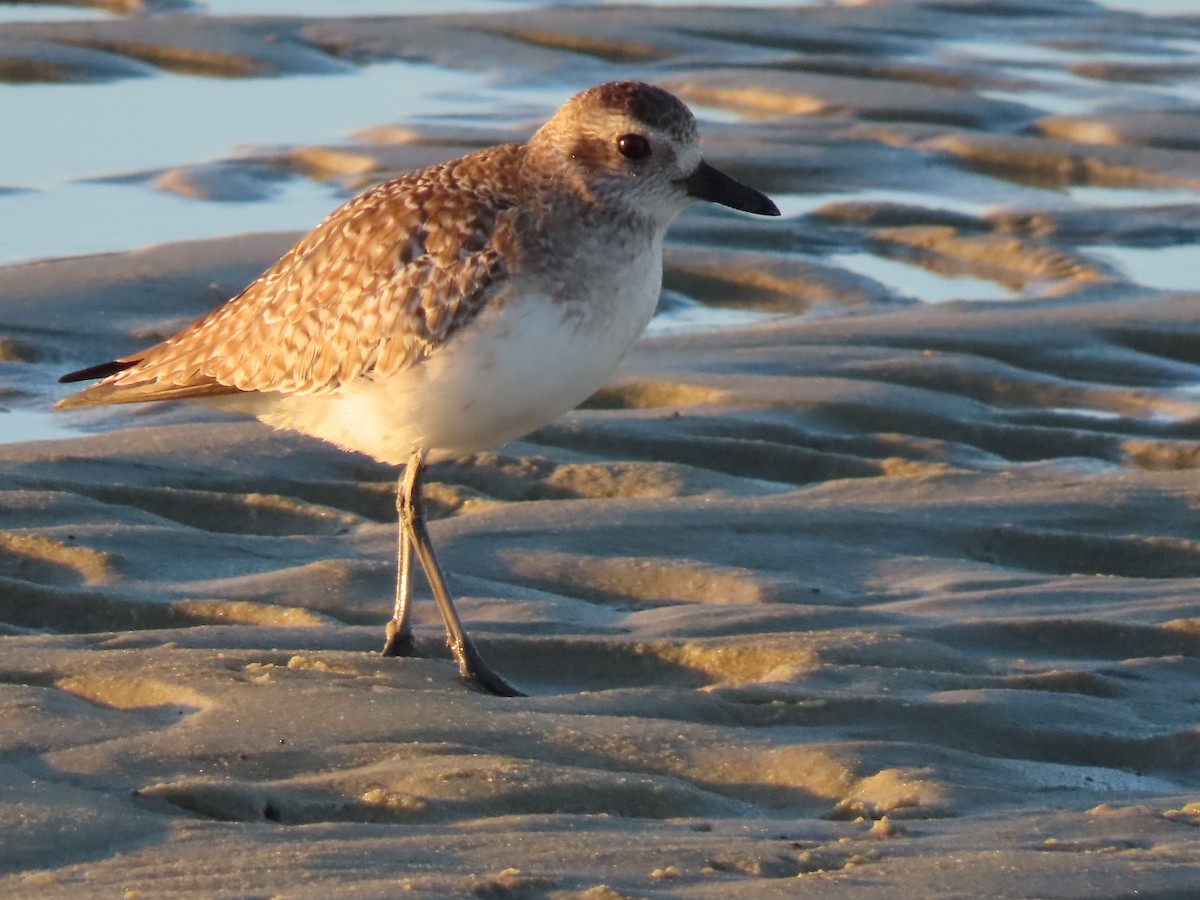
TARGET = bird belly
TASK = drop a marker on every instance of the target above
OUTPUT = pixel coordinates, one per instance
(520, 364)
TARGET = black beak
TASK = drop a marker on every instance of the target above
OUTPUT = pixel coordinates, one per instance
(707, 183)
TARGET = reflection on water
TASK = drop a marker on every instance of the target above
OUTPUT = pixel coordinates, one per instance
(919, 283)
(804, 204)
(44, 12)
(1155, 7)
(342, 9)
(18, 425)
(1166, 268)
(1083, 412)
(1048, 101)
(352, 8)
(108, 218)
(691, 317)
(172, 120)
(1087, 195)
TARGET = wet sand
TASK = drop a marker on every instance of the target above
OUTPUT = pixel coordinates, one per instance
(861, 595)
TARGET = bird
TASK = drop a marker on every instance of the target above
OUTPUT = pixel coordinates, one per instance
(452, 309)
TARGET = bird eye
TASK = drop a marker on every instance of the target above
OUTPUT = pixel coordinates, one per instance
(633, 146)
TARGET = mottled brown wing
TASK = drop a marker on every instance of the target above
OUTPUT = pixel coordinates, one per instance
(373, 289)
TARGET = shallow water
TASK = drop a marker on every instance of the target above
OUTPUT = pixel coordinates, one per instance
(45, 12)
(170, 119)
(34, 425)
(918, 283)
(101, 130)
(1155, 7)
(173, 120)
(1165, 268)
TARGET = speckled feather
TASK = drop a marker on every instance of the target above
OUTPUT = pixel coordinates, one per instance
(373, 289)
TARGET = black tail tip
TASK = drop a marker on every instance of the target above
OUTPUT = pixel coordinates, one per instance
(91, 373)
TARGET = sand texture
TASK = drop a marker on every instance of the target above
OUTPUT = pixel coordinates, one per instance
(856, 595)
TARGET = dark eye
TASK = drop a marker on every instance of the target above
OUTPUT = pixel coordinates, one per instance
(633, 146)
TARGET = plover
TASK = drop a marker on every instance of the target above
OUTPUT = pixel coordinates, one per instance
(452, 309)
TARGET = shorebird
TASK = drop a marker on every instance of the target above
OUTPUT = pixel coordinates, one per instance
(452, 309)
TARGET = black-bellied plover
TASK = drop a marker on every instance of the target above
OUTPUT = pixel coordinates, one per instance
(453, 309)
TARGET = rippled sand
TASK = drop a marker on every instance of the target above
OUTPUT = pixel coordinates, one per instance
(866, 597)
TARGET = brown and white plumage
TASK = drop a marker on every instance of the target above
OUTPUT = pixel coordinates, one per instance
(454, 308)
(372, 290)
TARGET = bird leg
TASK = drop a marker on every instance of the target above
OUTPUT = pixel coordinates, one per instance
(399, 641)
(471, 667)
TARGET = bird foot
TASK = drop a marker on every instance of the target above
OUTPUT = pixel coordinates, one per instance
(472, 670)
(491, 683)
(476, 674)
(399, 643)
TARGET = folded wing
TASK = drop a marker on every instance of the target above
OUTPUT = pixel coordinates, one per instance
(373, 289)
